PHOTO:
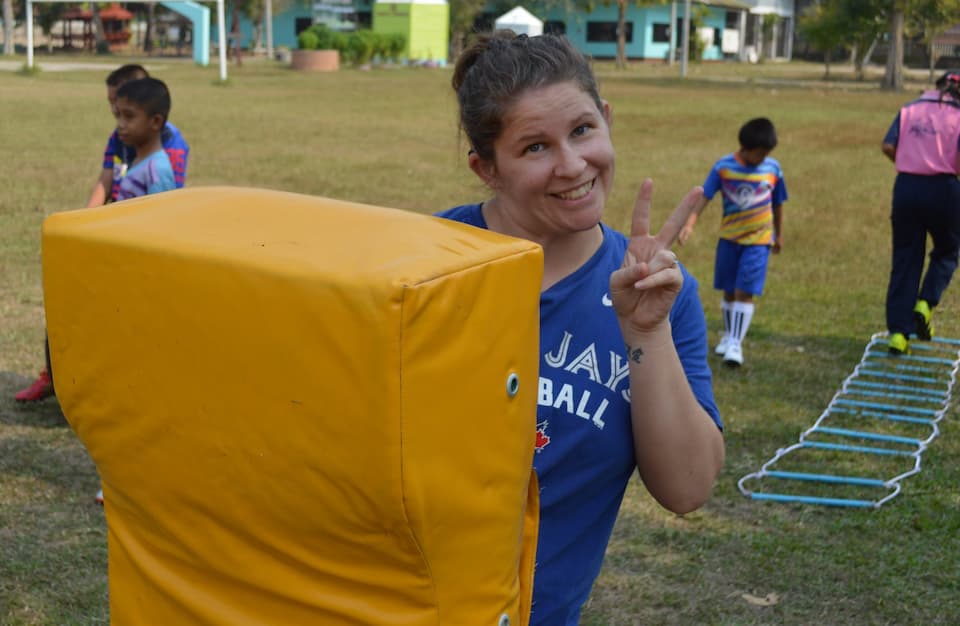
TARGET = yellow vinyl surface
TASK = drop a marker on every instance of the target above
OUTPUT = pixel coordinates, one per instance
(299, 407)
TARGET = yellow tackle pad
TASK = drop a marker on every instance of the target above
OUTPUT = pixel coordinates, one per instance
(304, 411)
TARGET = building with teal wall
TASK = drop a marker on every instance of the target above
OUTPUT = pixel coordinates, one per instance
(648, 30)
(731, 28)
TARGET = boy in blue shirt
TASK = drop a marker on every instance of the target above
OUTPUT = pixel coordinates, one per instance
(142, 109)
(753, 195)
(118, 156)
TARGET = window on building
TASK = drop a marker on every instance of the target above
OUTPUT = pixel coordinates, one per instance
(554, 27)
(733, 20)
(600, 32)
(364, 19)
(661, 33)
(717, 37)
(301, 24)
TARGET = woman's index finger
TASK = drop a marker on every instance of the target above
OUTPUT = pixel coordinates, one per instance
(640, 221)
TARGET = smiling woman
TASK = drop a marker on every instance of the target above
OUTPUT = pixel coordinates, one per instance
(624, 383)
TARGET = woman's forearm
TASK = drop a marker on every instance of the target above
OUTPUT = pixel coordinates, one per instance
(679, 448)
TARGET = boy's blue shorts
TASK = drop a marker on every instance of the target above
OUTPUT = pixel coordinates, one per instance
(740, 267)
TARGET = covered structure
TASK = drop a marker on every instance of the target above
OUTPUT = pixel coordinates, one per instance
(85, 17)
(115, 31)
(115, 21)
(520, 21)
(192, 10)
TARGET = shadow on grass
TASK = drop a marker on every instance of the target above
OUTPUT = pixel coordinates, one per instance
(771, 392)
(735, 83)
(42, 414)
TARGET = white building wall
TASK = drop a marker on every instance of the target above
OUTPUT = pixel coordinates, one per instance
(783, 8)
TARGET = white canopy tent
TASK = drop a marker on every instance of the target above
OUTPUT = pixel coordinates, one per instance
(520, 21)
(221, 30)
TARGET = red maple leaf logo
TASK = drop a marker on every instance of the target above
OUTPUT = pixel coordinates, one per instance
(542, 439)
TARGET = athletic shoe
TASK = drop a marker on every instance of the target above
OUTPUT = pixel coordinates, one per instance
(721, 348)
(921, 320)
(898, 344)
(733, 357)
(39, 389)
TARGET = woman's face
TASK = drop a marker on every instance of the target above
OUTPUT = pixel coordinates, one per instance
(553, 162)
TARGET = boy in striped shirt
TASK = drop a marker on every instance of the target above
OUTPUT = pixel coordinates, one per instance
(753, 192)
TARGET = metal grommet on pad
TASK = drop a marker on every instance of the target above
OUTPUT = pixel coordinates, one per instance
(513, 386)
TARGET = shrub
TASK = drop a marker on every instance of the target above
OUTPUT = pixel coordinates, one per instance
(396, 42)
(361, 45)
(358, 47)
(319, 37)
(308, 40)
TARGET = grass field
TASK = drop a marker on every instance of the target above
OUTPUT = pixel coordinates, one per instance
(389, 137)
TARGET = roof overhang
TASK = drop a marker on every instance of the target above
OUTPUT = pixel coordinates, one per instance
(727, 4)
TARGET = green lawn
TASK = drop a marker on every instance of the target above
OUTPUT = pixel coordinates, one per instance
(389, 137)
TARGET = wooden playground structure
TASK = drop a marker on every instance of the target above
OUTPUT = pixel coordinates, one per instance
(116, 28)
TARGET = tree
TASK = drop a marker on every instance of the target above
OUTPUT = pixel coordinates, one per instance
(622, 24)
(235, 32)
(855, 24)
(820, 24)
(46, 14)
(865, 21)
(255, 11)
(768, 23)
(570, 6)
(151, 27)
(463, 14)
(98, 27)
(8, 27)
(893, 78)
(928, 19)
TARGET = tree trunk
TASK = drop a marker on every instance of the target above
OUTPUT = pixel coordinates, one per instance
(148, 33)
(873, 46)
(893, 79)
(257, 43)
(826, 65)
(456, 45)
(97, 25)
(621, 34)
(235, 33)
(8, 27)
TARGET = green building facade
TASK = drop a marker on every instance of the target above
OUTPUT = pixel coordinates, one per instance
(424, 23)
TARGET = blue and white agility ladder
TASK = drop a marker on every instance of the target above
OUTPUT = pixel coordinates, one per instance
(880, 422)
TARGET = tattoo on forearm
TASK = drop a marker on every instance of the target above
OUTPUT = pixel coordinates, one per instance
(634, 354)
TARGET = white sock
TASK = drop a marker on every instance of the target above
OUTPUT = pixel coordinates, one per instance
(726, 311)
(740, 315)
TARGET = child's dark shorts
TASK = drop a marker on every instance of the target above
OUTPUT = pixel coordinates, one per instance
(740, 267)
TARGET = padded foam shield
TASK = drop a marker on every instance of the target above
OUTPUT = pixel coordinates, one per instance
(299, 407)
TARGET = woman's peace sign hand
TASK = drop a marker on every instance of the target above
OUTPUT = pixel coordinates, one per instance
(645, 286)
